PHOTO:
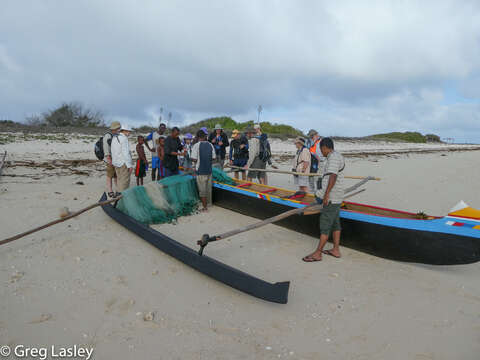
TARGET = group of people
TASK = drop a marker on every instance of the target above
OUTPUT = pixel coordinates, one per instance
(248, 150)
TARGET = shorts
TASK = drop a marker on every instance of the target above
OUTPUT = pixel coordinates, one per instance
(241, 163)
(111, 171)
(155, 162)
(140, 171)
(301, 180)
(204, 184)
(330, 219)
(257, 164)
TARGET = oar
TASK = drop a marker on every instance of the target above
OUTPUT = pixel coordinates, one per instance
(63, 218)
(306, 210)
(300, 174)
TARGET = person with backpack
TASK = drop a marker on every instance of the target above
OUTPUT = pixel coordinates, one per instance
(121, 158)
(259, 154)
(317, 158)
(301, 164)
(238, 153)
(220, 142)
(103, 152)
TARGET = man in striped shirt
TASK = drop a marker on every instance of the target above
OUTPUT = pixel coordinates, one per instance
(331, 196)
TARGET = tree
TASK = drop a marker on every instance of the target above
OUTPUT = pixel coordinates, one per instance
(73, 114)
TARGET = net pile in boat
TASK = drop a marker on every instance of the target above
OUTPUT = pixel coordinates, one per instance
(221, 176)
(161, 201)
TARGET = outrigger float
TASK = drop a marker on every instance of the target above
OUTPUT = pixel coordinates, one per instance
(391, 234)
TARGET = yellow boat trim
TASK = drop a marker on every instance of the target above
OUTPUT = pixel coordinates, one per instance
(467, 212)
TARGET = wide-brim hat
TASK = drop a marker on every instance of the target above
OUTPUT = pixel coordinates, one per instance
(235, 132)
(249, 130)
(115, 125)
(312, 132)
(256, 126)
(300, 140)
(126, 127)
(218, 127)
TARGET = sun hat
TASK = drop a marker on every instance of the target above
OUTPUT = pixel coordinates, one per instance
(249, 130)
(115, 125)
(218, 127)
(204, 129)
(300, 140)
(312, 132)
(126, 127)
(188, 136)
(256, 126)
(235, 132)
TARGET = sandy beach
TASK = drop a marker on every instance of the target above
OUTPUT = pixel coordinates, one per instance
(90, 282)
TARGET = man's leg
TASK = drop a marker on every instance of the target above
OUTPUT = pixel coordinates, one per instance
(335, 251)
(109, 184)
(244, 175)
(327, 221)
(235, 174)
(154, 172)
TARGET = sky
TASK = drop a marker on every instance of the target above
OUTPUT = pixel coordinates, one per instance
(347, 68)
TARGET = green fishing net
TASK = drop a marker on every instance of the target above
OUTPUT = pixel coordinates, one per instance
(221, 176)
(162, 201)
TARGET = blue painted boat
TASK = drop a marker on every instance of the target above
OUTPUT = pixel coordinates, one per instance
(391, 234)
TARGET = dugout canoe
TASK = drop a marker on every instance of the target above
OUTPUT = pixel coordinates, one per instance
(277, 292)
(387, 233)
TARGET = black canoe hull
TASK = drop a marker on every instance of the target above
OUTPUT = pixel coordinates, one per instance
(379, 240)
(277, 293)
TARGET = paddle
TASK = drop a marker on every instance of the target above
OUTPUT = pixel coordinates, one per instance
(307, 210)
(300, 174)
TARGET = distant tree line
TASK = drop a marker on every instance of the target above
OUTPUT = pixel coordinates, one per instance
(73, 114)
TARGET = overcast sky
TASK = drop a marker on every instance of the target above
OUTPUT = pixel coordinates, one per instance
(343, 67)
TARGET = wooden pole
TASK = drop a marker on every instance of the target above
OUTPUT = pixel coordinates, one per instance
(307, 210)
(2, 163)
(297, 173)
(68, 217)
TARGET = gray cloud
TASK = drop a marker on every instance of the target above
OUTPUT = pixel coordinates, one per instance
(351, 67)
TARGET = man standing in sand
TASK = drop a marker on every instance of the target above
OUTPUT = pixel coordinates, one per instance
(154, 136)
(312, 144)
(107, 142)
(203, 154)
(301, 164)
(121, 158)
(331, 196)
(220, 142)
(173, 148)
(258, 154)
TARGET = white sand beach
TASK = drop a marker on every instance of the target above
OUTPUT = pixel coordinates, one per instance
(89, 281)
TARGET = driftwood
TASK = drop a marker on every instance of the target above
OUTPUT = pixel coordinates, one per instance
(299, 174)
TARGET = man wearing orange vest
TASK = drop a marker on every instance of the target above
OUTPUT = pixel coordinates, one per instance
(313, 145)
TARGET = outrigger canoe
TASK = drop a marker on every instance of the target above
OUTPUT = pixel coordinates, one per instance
(387, 233)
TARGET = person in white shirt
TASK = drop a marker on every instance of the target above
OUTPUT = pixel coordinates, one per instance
(121, 157)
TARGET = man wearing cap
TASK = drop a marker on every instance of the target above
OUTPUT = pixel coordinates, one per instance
(312, 144)
(219, 141)
(107, 141)
(257, 159)
(173, 149)
(121, 157)
(196, 139)
(301, 164)
(238, 153)
(154, 136)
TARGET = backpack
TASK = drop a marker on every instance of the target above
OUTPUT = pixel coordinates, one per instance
(265, 153)
(98, 149)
